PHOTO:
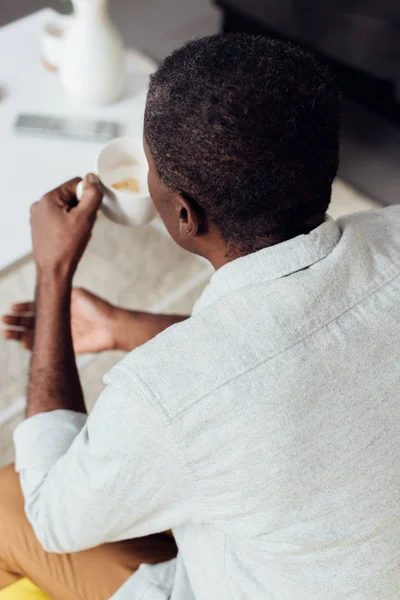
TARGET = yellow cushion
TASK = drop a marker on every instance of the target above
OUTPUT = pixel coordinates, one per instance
(22, 590)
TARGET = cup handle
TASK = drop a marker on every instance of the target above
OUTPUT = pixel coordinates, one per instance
(79, 191)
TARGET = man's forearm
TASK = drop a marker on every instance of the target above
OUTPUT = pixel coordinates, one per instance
(54, 381)
(133, 328)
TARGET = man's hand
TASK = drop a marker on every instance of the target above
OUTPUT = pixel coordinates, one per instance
(61, 228)
(92, 323)
(96, 324)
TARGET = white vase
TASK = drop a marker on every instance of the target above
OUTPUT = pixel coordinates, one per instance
(92, 64)
(52, 40)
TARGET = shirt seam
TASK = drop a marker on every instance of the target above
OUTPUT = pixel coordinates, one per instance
(156, 403)
(277, 354)
(149, 392)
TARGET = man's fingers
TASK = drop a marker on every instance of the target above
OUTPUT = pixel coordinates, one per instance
(25, 337)
(28, 307)
(92, 195)
(27, 342)
(26, 321)
(14, 334)
(65, 194)
(70, 186)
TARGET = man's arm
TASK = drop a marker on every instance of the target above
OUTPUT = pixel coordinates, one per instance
(60, 234)
(54, 381)
(116, 474)
(96, 324)
(133, 328)
(87, 480)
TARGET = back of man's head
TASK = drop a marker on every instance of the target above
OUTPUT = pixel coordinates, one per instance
(247, 127)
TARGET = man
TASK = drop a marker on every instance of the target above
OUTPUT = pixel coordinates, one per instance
(263, 430)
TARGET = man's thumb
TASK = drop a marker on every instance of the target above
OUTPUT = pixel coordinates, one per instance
(92, 194)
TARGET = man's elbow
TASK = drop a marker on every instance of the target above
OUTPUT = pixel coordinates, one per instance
(49, 544)
(55, 543)
(56, 537)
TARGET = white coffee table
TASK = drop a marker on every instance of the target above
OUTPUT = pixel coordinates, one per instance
(30, 166)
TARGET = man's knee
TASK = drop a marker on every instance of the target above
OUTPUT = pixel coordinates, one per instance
(9, 484)
(11, 500)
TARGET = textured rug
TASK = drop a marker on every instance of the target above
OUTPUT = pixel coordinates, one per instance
(137, 268)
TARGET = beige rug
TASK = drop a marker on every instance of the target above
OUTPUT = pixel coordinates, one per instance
(136, 268)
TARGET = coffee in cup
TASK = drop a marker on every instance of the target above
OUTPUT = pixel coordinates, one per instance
(122, 169)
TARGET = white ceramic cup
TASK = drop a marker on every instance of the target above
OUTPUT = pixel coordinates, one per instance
(121, 159)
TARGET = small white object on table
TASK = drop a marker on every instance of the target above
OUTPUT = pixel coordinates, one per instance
(31, 165)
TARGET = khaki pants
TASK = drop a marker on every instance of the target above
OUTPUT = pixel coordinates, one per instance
(90, 575)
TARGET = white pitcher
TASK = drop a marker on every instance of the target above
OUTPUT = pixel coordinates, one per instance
(92, 64)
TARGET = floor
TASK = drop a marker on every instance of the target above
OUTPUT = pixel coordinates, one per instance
(370, 153)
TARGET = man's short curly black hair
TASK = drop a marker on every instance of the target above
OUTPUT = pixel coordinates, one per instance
(249, 128)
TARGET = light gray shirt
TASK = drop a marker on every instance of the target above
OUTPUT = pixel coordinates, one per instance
(265, 431)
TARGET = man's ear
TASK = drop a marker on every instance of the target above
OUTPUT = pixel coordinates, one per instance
(190, 217)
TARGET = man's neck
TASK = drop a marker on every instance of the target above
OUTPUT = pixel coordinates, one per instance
(220, 253)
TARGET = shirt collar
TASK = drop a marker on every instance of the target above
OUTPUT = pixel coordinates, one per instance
(272, 263)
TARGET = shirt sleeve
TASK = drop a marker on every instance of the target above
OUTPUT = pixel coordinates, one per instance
(114, 475)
